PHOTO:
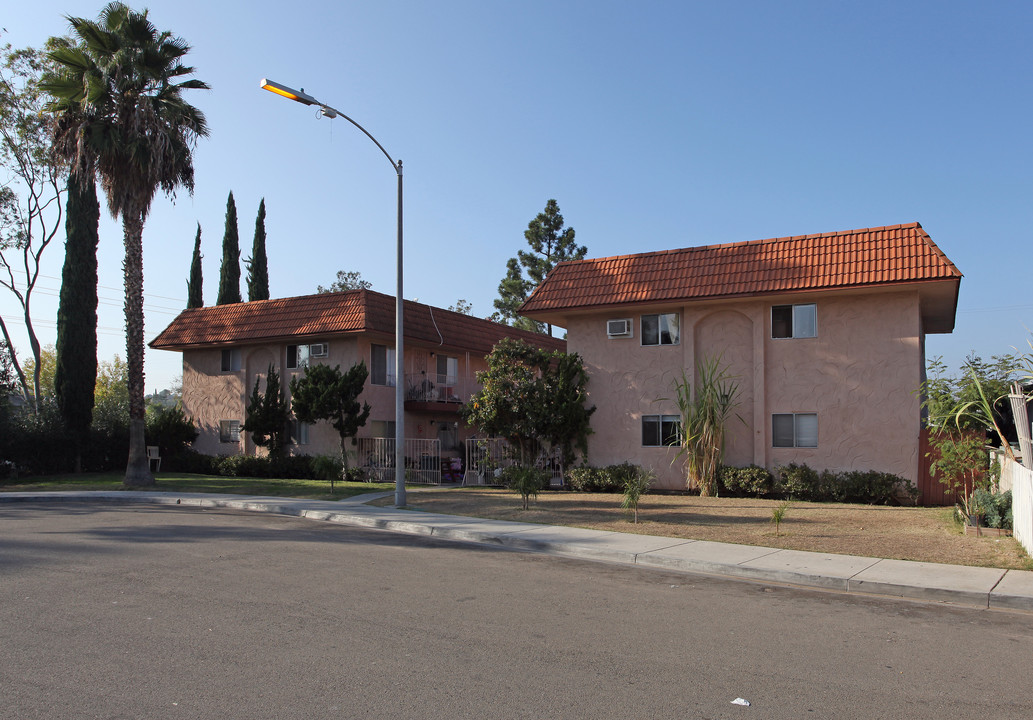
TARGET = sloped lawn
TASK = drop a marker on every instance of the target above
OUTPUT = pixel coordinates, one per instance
(905, 533)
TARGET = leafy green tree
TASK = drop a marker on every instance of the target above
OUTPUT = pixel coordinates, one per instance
(462, 306)
(229, 275)
(532, 397)
(268, 415)
(346, 281)
(979, 381)
(258, 263)
(75, 375)
(195, 285)
(325, 393)
(30, 195)
(550, 243)
(118, 106)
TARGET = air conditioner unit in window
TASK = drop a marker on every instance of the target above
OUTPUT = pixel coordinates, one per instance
(318, 350)
(618, 328)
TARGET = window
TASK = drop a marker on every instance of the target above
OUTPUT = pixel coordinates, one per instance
(297, 357)
(794, 321)
(448, 370)
(382, 428)
(382, 365)
(231, 360)
(229, 431)
(662, 329)
(794, 430)
(659, 430)
(299, 432)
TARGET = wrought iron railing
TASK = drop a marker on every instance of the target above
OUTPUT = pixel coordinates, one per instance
(432, 387)
(422, 460)
(486, 458)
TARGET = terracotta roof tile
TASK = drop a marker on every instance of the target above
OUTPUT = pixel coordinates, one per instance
(854, 258)
(330, 314)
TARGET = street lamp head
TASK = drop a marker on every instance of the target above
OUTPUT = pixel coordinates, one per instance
(291, 93)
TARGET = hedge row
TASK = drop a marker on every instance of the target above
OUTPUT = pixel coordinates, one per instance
(800, 482)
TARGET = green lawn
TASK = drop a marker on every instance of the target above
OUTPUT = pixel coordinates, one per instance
(173, 482)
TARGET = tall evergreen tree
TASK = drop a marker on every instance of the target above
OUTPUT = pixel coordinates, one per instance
(119, 106)
(195, 285)
(229, 275)
(268, 415)
(75, 374)
(550, 243)
(258, 263)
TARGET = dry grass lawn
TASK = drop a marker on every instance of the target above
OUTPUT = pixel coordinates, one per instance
(905, 533)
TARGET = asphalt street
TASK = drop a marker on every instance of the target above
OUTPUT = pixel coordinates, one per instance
(144, 612)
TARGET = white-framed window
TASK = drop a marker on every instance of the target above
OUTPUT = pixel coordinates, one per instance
(231, 360)
(661, 329)
(448, 370)
(229, 431)
(297, 356)
(381, 365)
(798, 430)
(299, 432)
(660, 430)
(794, 321)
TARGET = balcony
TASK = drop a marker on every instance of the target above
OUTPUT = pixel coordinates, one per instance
(438, 393)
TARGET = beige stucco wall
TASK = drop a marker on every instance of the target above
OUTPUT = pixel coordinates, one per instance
(859, 375)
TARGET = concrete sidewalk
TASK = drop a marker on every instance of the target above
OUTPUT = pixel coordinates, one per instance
(982, 587)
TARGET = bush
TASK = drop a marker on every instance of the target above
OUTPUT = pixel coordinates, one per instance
(994, 508)
(169, 429)
(749, 480)
(328, 467)
(797, 482)
(872, 487)
(528, 481)
(610, 479)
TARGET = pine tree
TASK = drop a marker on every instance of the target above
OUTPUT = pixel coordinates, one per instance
(229, 276)
(268, 415)
(195, 296)
(550, 243)
(75, 374)
(258, 263)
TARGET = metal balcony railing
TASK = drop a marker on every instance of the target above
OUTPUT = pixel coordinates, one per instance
(434, 388)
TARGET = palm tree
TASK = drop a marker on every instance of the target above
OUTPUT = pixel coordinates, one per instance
(119, 110)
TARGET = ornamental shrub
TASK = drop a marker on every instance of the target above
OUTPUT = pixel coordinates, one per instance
(610, 479)
(528, 481)
(798, 482)
(750, 480)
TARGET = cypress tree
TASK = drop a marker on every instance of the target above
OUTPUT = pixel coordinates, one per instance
(195, 297)
(258, 265)
(75, 374)
(229, 276)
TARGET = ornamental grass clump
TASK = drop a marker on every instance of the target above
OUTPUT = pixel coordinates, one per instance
(635, 485)
(705, 412)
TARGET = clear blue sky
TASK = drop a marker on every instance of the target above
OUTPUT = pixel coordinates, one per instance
(655, 125)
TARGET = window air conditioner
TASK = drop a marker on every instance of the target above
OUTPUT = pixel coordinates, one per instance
(618, 328)
(318, 350)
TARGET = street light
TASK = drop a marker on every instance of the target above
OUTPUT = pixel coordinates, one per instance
(327, 111)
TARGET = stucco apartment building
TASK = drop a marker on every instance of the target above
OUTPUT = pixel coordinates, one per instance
(824, 334)
(226, 348)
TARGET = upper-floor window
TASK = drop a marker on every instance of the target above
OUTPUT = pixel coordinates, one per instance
(794, 321)
(381, 365)
(794, 430)
(231, 360)
(297, 356)
(659, 430)
(661, 329)
(448, 370)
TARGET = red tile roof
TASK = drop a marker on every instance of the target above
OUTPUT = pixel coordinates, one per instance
(329, 314)
(854, 258)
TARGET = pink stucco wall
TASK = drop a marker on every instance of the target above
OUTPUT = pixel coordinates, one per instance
(859, 375)
(210, 395)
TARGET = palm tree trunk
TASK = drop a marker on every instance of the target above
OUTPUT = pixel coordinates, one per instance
(138, 470)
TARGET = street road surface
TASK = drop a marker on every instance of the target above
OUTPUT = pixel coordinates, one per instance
(143, 612)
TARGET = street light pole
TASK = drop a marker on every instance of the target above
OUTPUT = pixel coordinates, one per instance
(327, 111)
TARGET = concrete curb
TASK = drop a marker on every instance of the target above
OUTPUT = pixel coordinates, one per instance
(929, 582)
